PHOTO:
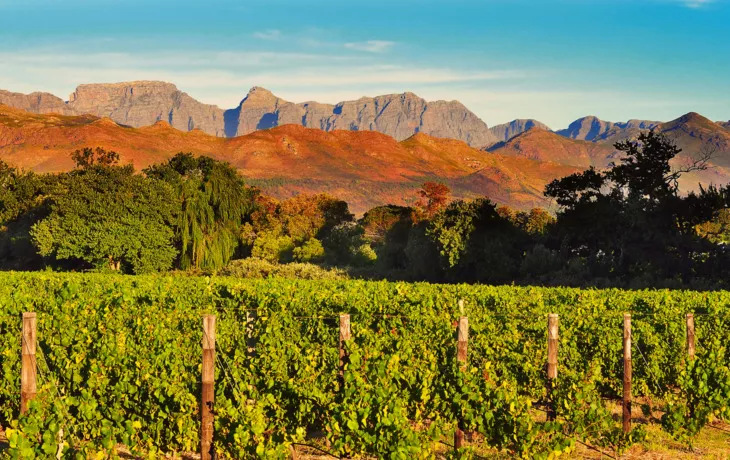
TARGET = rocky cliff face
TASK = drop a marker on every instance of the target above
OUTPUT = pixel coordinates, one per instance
(397, 115)
(261, 109)
(509, 130)
(35, 102)
(143, 103)
(594, 129)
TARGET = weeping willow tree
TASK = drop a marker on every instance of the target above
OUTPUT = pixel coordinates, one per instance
(215, 202)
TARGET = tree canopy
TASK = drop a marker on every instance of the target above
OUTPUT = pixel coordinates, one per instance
(214, 201)
(109, 217)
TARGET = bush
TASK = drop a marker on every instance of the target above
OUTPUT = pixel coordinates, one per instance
(273, 248)
(258, 268)
(310, 251)
(364, 256)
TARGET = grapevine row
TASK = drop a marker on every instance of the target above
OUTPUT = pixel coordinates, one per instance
(119, 363)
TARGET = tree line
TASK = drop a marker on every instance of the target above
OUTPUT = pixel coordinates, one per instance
(625, 226)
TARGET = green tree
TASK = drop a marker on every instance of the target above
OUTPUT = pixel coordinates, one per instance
(629, 223)
(22, 196)
(215, 204)
(273, 247)
(19, 192)
(311, 251)
(313, 224)
(109, 217)
(387, 229)
(475, 243)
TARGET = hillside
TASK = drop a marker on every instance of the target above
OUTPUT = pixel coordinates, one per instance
(364, 168)
(547, 146)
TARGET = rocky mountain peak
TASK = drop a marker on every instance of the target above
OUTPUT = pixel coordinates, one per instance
(35, 102)
(507, 131)
(259, 96)
(592, 128)
(88, 91)
(693, 117)
(142, 103)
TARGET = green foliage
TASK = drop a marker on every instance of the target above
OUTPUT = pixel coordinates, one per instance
(19, 192)
(346, 245)
(716, 230)
(705, 393)
(215, 203)
(304, 228)
(109, 217)
(474, 242)
(21, 205)
(311, 251)
(123, 353)
(386, 229)
(258, 268)
(274, 248)
(452, 228)
(364, 255)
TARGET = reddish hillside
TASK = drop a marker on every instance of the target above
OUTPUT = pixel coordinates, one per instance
(542, 145)
(363, 167)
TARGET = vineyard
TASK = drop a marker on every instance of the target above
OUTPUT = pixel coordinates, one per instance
(119, 364)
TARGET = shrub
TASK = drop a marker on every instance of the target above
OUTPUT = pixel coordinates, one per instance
(310, 251)
(258, 268)
(273, 248)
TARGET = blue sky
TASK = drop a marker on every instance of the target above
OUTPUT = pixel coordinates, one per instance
(553, 60)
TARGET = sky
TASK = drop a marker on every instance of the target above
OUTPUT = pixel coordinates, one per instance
(552, 60)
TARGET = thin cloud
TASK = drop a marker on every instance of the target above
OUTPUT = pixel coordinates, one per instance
(224, 77)
(271, 34)
(371, 46)
(696, 3)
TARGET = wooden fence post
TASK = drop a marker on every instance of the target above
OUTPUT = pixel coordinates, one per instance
(627, 373)
(208, 392)
(462, 347)
(552, 362)
(691, 335)
(345, 335)
(28, 363)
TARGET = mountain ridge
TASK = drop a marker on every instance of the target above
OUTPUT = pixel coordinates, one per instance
(143, 102)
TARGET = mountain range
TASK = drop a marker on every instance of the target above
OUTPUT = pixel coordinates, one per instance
(369, 151)
(142, 103)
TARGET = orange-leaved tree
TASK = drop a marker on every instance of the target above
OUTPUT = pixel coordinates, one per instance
(434, 197)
